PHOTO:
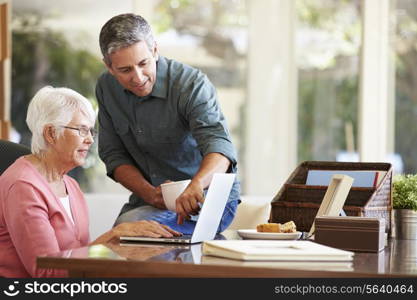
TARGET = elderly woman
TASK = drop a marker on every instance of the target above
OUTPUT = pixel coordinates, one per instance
(42, 210)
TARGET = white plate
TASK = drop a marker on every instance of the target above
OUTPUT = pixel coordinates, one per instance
(253, 234)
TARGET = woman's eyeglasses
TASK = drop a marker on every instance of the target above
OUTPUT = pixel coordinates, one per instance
(83, 131)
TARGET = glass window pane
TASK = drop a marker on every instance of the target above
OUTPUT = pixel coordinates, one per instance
(406, 83)
(211, 36)
(56, 43)
(328, 36)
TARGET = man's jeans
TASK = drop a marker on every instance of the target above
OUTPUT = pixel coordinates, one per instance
(169, 218)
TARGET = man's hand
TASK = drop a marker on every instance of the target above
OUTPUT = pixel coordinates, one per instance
(188, 202)
(155, 198)
(132, 179)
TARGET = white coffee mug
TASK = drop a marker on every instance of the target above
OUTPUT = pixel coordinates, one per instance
(172, 190)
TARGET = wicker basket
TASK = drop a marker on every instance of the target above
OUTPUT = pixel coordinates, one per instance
(300, 203)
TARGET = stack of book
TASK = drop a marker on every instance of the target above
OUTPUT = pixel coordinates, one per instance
(267, 250)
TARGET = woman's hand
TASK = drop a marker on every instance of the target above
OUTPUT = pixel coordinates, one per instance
(138, 228)
(144, 228)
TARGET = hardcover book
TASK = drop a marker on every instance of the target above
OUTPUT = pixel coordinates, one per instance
(262, 250)
(300, 265)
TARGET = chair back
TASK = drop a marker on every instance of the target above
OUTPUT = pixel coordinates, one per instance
(9, 152)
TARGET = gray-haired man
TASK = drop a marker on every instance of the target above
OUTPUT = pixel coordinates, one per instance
(159, 120)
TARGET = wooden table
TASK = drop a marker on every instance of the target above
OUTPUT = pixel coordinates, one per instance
(398, 259)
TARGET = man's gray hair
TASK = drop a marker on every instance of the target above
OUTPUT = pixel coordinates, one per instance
(123, 31)
(55, 106)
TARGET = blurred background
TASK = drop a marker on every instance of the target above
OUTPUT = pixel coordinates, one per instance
(297, 79)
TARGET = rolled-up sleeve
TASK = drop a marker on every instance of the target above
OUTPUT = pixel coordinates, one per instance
(207, 123)
(111, 148)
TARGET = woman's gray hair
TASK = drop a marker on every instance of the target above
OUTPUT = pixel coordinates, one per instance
(55, 106)
(123, 31)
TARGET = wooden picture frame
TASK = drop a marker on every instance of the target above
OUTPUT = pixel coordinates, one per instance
(334, 198)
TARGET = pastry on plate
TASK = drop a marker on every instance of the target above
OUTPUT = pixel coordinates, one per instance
(287, 227)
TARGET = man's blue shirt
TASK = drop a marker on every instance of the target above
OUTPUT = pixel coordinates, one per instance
(167, 133)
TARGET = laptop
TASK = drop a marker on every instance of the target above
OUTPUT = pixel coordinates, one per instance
(209, 218)
(169, 252)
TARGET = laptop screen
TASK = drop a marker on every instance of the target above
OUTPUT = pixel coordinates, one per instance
(210, 214)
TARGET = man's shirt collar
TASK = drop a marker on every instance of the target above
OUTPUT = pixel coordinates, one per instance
(160, 89)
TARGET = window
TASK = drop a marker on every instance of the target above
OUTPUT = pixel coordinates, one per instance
(210, 35)
(328, 39)
(56, 43)
(405, 41)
